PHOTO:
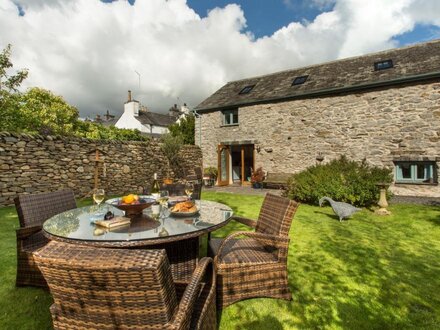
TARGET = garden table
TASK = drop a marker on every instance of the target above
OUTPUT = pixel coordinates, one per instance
(179, 236)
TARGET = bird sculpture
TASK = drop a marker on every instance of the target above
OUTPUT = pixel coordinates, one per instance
(342, 210)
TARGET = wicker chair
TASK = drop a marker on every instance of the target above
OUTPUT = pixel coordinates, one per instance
(178, 189)
(32, 211)
(97, 288)
(194, 174)
(255, 266)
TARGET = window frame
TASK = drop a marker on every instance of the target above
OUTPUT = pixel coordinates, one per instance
(429, 172)
(232, 114)
(246, 89)
(383, 65)
(299, 80)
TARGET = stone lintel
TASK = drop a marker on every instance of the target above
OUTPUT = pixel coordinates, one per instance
(416, 158)
(241, 142)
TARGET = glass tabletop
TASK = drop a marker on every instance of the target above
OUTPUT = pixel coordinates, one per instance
(78, 224)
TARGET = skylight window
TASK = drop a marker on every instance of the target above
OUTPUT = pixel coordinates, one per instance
(299, 80)
(383, 65)
(246, 89)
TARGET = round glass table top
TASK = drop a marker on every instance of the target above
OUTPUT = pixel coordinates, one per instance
(79, 224)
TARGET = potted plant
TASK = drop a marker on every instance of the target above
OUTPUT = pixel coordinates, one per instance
(257, 178)
(210, 175)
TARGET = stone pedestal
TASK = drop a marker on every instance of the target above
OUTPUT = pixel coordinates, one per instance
(383, 204)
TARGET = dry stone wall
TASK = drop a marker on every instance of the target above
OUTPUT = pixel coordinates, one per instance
(379, 125)
(33, 163)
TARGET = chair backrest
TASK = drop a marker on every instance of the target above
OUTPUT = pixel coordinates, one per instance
(199, 173)
(34, 209)
(127, 287)
(276, 215)
(178, 189)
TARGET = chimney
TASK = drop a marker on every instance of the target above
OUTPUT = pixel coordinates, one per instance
(129, 96)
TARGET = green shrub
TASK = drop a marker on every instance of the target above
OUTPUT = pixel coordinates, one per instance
(342, 180)
(211, 172)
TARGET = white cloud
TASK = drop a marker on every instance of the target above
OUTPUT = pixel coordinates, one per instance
(88, 51)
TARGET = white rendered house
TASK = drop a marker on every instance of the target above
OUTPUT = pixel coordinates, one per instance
(137, 117)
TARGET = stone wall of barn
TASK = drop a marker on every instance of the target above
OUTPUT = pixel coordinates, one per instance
(381, 126)
(33, 163)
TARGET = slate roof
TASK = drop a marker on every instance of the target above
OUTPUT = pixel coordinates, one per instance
(110, 122)
(413, 63)
(156, 119)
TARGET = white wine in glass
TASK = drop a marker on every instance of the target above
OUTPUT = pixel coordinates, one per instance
(98, 196)
(163, 198)
(189, 188)
(163, 201)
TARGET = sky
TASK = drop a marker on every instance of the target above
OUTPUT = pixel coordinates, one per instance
(173, 52)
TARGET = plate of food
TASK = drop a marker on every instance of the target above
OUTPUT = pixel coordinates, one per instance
(184, 209)
(132, 204)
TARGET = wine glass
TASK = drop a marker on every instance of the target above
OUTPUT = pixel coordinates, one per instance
(98, 196)
(189, 188)
(163, 201)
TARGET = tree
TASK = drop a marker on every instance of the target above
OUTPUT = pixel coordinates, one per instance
(184, 129)
(40, 111)
(47, 113)
(9, 94)
(171, 146)
(92, 130)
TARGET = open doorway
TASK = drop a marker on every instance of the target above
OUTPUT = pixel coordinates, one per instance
(241, 163)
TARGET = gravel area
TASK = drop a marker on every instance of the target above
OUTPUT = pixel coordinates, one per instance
(243, 190)
(415, 200)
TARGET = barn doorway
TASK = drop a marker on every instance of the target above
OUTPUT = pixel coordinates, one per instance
(236, 163)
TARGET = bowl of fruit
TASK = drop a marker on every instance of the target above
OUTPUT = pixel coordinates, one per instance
(132, 204)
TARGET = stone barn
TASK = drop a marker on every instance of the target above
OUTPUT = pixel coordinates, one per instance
(382, 107)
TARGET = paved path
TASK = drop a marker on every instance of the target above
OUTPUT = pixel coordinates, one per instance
(243, 190)
(246, 190)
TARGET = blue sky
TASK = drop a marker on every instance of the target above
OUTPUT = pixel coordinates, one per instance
(264, 17)
(90, 51)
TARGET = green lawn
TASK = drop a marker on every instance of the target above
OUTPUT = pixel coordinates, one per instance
(369, 272)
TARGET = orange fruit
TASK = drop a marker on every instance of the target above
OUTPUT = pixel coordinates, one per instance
(128, 199)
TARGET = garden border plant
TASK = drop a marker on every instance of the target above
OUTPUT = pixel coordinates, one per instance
(341, 179)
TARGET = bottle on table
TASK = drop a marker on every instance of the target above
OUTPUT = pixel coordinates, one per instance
(155, 188)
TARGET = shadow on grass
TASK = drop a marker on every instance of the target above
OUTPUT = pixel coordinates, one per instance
(326, 214)
(371, 274)
(250, 317)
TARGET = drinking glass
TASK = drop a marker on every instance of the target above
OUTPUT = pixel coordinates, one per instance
(189, 188)
(163, 201)
(98, 196)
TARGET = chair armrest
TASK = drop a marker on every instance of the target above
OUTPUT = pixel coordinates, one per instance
(245, 221)
(278, 242)
(182, 318)
(23, 233)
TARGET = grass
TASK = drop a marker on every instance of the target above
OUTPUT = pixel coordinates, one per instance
(369, 272)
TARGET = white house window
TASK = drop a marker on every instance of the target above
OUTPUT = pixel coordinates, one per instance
(230, 117)
(416, 172)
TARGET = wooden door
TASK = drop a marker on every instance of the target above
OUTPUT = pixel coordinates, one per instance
(223, 165)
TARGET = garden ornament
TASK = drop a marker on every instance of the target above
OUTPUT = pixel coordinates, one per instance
(342, 210)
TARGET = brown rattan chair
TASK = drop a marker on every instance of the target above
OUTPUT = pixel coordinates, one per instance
(178, 189)
(98, 288)
(32, 211)
(255, 266)
(194, 174)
